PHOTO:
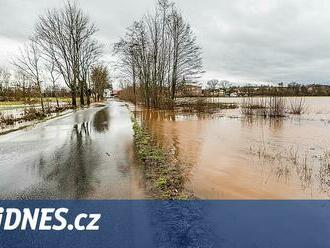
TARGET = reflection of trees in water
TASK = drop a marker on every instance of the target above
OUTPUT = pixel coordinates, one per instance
(275, 124)
(287, 163)
(101, 120)
(171, 115)
(323, 175)
(72, 166)
(168, 134)
(312, 171)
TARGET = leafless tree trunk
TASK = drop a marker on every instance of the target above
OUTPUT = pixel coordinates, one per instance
(157, 53)
(90, 54)
(51, 70)
(100, 80)
(23, 85)
(4, 81)
(29, 63)
(186, 54)
(64, 35)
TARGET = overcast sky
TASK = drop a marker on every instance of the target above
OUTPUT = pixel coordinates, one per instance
(242, 40)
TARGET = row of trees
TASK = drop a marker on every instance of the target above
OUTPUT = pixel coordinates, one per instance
(100, 77)
(292, 89)
(157, 54)
(213, 86)
(64, 47)
(4, 81)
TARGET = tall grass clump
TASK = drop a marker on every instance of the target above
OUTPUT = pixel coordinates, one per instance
(251, 106)
(297, 105)
(273, 106)
(202, 105)
(276, 107)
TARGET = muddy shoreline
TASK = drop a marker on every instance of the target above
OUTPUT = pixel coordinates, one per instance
(164, 177)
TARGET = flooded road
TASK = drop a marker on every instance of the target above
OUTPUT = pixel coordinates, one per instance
(89, 154)
(229, 156)
(85, 155)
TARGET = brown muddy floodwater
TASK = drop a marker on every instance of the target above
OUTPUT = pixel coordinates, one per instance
(229, 156)
(87, 154)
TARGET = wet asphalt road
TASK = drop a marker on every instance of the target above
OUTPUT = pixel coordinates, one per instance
(84, 155)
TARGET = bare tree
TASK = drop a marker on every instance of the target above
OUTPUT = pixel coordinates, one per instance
(50, 66)
(186, 54)
(1, 80)
(24, 85)
(212, 85)
(158, 53)
(91, 53)
(224, 84)
(100, 80)
(29, 63)
(1, 73)
(66, 35)
(5, 76)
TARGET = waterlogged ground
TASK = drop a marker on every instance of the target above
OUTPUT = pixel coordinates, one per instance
(17, 110)
(229, 156)
(89, 154)
(83, 155)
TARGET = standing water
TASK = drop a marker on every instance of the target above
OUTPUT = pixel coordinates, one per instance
(87, 154)
(229, 156)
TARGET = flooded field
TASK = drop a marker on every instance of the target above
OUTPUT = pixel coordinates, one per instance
(18, 110)
(230, 156)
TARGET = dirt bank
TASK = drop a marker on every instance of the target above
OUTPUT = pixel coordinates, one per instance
(164, 177)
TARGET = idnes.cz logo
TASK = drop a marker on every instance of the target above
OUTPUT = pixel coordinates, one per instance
(46, 219)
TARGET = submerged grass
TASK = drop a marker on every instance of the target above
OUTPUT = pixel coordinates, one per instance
(273, 106)
(164, 178)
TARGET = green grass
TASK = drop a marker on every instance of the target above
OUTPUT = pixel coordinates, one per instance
(36, 101)
(164, 178)
(60, 99)
(14, 103)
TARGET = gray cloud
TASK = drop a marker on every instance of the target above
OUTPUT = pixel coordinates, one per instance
(242, 40)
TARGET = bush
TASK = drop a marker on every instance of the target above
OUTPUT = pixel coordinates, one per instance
(297, 106)
(274, 106)
(30, 114)
(7, 120)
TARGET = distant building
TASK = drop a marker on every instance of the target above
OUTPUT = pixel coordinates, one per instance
(214, 93)
(190, 90)
(115, 92)
(221, 92)
(107, 93)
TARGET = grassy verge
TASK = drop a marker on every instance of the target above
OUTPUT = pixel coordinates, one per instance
(164, 178)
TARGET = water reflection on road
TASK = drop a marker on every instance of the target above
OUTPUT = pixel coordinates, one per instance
(87, 154)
